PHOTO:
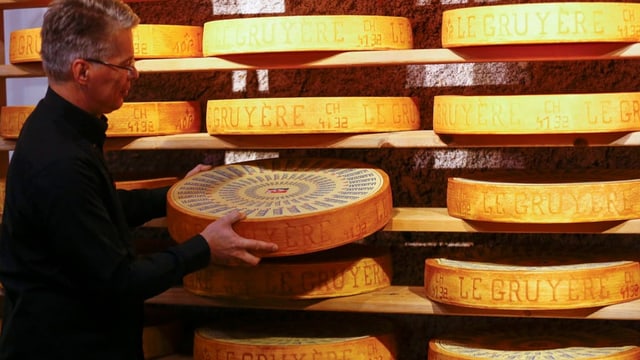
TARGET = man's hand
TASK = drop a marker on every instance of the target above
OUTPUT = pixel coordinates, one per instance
(197, 169)
(229, 248)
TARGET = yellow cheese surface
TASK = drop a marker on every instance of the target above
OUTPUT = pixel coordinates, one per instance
(530, 287)
(537, 114)
(306, 33)
(347, 270)
(541, 23)
(311, 115)
(132, 119)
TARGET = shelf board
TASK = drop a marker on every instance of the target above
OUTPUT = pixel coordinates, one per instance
(402, 139)
(313, 60)
(394, 300)
(414, 219)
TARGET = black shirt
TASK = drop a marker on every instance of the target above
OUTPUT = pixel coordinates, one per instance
(74, 288)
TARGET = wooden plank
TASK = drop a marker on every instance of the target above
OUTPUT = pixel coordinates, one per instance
(394, 300)
(384, 58)
(437, 220)
(402, 139)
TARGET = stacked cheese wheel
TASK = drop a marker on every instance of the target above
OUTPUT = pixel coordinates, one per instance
(371, 339)
(132, 119)
(313, 208)
(149, 41)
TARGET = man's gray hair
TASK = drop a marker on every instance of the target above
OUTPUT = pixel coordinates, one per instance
(81, 29)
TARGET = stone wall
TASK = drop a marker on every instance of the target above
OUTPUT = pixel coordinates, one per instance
(418, 175)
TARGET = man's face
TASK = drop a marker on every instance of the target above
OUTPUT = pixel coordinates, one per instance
(111, 84)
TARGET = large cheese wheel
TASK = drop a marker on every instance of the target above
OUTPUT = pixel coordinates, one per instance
(555, 197)
(132, 119)
(149, 41)
(306, 33)
(347, 270)
(546, 342)
(296, 340)
(145, 183)
(302, 204)
(530, 287)
(312, 115)
(541, 23)
(537, 114)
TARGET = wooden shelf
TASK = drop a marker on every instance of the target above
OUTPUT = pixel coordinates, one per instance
(363, 58)
(394, 300)
(403, 139)
(437, 220)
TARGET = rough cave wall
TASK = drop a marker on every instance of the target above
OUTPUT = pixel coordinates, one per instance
(418, 176)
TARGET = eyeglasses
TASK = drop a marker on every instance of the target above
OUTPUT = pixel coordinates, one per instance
(131, 69)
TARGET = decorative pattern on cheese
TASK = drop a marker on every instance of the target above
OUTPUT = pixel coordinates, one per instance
(302, 204)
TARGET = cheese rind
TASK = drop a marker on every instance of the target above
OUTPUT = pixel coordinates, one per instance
(306, 33)
(514, 287)
(311, 115)
(541, 23)
(537, 114)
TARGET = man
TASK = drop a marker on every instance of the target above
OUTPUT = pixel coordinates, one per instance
(73, 287)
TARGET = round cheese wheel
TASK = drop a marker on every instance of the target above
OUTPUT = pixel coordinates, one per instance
(529, 287)
(312, 115)
(149, 41)
(555, 197)
(296, 340)
(541, 23)
(347, 270)
(302, 204)
(306, 33)
(132, 119)
(24, 46)
(548, 342)
(537, 114)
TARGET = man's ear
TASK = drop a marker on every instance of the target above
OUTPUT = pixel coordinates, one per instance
(81, 71)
